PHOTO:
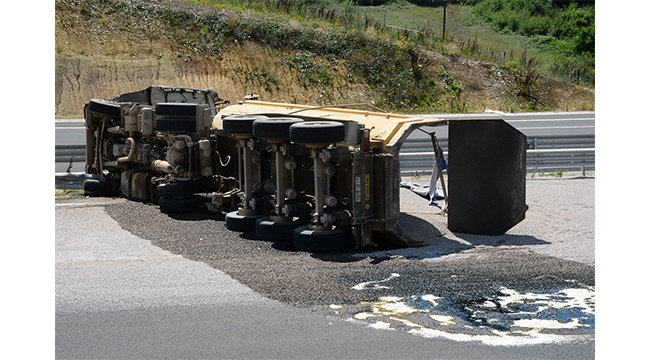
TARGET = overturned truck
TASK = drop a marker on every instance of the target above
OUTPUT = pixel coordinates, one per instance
(323, 177)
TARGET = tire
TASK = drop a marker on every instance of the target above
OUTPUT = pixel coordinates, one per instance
(175, 125)
(317, 132)
(95, 187)
(274, 128)
(176, 189)
(267, 229)
(240, 124)
(175, 206)
(241, 223)
(176, 109)
(105, 107)
(319, 241)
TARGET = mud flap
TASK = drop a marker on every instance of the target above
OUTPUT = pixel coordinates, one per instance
(487, 177)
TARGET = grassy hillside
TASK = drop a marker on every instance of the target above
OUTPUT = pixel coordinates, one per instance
(286, 51)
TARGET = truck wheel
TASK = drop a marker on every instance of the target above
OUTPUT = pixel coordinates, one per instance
(171, 206)
(240, 124)
(317, 132)
(104, 107)
(319, 241)
(274, 128)
(95, 187)
(176, 189)
(241, 223)
(267, 229)
(176, 109)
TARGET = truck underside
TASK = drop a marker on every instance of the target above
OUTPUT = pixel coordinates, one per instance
(321, 177)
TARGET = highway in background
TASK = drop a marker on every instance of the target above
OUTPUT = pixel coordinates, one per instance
(72, 132)
(531, 124)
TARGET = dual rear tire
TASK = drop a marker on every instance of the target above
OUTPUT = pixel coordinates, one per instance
(101, 188)
(178, 197)
(319, 240)
(241, 223)
(267, 229)
(318, 134)
(181, 206)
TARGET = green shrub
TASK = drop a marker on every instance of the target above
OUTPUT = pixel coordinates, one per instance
(572, 23)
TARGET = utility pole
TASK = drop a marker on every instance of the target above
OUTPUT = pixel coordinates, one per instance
(444, 17)
(444, 20)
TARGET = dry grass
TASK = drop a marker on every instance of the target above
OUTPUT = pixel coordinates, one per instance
(68, 193)
(104, 58)
(250, 68)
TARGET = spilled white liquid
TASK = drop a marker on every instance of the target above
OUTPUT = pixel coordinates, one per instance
(513, 318)
(375, 284)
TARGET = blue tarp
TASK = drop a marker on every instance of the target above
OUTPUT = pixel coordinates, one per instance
(428, 192)
(423, 190)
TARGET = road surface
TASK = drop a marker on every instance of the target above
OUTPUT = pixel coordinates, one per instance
(134, 283)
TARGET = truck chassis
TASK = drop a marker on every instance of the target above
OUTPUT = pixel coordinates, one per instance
(322, 177)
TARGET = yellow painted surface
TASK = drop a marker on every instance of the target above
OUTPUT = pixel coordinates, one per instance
(386, 129)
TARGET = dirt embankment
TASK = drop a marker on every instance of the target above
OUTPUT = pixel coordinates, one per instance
(101, 55)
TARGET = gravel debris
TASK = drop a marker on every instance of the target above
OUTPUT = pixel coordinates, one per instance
(551, 249)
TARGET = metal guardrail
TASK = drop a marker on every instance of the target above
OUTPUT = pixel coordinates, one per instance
(71, 180)
(66, 153)
(545, 153)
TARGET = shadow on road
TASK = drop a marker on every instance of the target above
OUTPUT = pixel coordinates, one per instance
(436, 243)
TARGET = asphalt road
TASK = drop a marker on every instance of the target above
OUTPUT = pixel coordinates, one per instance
(134, 283)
